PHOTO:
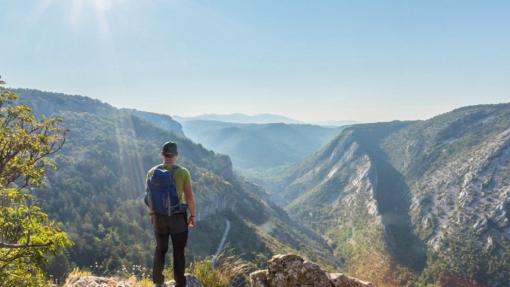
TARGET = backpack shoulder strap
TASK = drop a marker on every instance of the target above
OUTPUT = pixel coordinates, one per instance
(173, 170)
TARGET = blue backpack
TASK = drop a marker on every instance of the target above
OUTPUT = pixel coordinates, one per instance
(162, 194)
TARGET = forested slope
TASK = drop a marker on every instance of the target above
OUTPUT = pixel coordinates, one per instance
(96, 191)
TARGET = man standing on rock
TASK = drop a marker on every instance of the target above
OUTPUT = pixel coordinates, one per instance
(169, 197)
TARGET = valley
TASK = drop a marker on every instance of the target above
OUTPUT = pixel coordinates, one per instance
(417, 199)
(96, 192)
(322, 143)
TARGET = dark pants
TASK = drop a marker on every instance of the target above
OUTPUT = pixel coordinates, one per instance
(176, 228)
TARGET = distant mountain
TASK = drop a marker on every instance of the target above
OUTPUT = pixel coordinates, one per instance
(428, 202)
(96, 192)
(259, 145)
(334, 123)
(241, 118)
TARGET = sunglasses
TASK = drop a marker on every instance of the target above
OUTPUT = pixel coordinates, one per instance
(168, 155)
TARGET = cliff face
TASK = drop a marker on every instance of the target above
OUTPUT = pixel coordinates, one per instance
(339, 193)
(410, 190)
(457, 166)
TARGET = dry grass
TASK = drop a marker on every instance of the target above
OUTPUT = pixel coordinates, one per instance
(220, 274)
(146, 282)
(78, 272)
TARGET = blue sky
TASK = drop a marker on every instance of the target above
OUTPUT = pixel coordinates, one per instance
(310, 60)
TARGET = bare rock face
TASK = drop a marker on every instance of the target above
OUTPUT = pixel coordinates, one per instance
(94, 281)
(290, 270)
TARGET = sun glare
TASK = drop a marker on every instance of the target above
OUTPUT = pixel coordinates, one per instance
(99, 6)
(100, 9)
(105, 5)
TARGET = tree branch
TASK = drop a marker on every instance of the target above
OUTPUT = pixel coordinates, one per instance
(26, 245)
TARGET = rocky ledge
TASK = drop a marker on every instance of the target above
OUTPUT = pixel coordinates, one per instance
(292, 271)
(287, 270)
(95, 281)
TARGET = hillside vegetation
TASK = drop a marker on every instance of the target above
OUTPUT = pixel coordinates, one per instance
(429, 200)
(416, 203)
(95, 193)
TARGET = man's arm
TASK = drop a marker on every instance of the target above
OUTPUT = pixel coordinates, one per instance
(151, 211)
(190, 200)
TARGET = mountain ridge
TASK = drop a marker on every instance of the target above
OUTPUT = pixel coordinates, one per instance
(263, 118)
(259, 146)
(421, 186)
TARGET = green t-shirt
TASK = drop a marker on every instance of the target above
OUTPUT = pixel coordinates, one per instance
(181, 177)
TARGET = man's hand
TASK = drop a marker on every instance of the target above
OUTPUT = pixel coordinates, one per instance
(190, 200)
(152, 218)
(191, 221)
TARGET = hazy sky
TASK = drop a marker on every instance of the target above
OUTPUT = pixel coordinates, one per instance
(310, 60)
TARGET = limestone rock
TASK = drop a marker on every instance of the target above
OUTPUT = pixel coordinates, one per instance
(95, 281)
(341, 280)
(259, 278)
(291, 270)
(239, 280)
(191, 281)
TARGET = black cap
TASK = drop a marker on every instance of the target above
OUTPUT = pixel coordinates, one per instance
(169, 148)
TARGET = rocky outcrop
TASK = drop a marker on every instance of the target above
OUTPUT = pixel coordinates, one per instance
(259, 278)
(342, 280)
(77, 280)
(287, 270)
(290, 270)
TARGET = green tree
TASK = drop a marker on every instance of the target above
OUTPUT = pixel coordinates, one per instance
(27, 236)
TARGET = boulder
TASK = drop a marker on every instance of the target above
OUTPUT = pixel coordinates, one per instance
(290, 270)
